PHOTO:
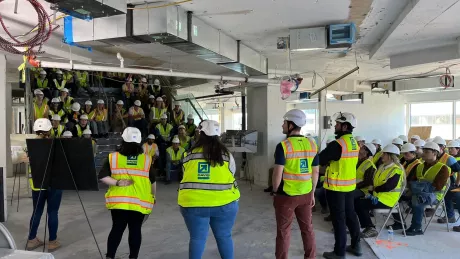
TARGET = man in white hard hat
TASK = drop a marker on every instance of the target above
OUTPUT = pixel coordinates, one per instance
(119, 117)
(42, 83)
(67, 134)
(150, 148)
(178, 117)
(41, 108)
(57, 129)
(128, 92)
(410, 157)
(174, 155)
(136, 117)
(294, 185)
(190, 126)
(163, 130)
(101, 119)
(55, 108)
(419, 144)
(155, 90)
(156, 112)
(361, 140)
(342, 157)
(66, 100)
(414, 138)
(58, 83)
(150, 104)
(454, 149)
(40, 196)
(378, 144)
(74, 115)
(89, 135)
(82, 124)
(403, 138)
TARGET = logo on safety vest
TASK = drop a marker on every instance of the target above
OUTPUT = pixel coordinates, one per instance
(353, 143)
(203, 171)
(304, 166)
(131, 160)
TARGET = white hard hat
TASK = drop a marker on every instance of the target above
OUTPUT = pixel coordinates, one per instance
(164, 116)
(156, 82)
(151, 97)
(84, 117)
(159, 99)
(190, 117)
(137, 103)
(67, 134)
(181, 127)
(120, 102)
(177, 103)
(417, 137)
(144, 80)
(100, 101)
(454, 143)
(431, 145)
(87, 132)
(359, 138)
(132, 135)
(88, 102)
(371, 148)
(390, 148)
(42, 72)
(56, 117)
(419, 143)
(346, 117)
(151, 136)
(329, 140)
(397, 141)
(38, 91)
(65, 90)
(440, 141)
(176, 140)
(296, 116)
(75, 107)
(429, 140)
(42, 124)
(376, 141)
(211, 128)
(59, 72)
(403, 138)
(408, 147)
(55, 100)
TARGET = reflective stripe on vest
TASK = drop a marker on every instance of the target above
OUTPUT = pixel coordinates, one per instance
(206, 186)
(150, 150)
(381, 177)
(100, 116)
(129, 200)
(429, 175)
(124, 171)
(164, 132)
(59, 86)
(60, 129)
(175, 156)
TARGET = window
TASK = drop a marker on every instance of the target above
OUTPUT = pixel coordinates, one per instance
(438, 115)
(310, 127)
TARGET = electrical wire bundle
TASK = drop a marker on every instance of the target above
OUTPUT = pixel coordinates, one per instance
(43, 32)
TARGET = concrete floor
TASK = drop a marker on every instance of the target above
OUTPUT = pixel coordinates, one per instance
(164, 234)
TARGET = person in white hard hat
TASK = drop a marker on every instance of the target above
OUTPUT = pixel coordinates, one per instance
(41, 108)
(155, 89)
(156, 112)
(150, 148)
(89, 135)
(82, 124)
(378, 144)
(74, 115)
(388, 181)
(410, 157)
(361, 140)
(88, 110)
(365, 171)
(184, 139)
(82, 81)
(174, 155)
(403, 138)
(57, 129)
(178, 117)
(66, 100)
(142, 91)
(414, 138)
(101, 119)
(128, 93)
(190, 126)
(40, 196)
(131, 195)
(136, 117)
(163, 133)
(196, 137)
(340, 182)
(67, 134)
(55, 108)
(294, 184)
(119, 117)
(202, 194)
(150, 104)
(431, 177)
(42, 83)
(59, 83)
(399, 143)
(454, 149)
(419, 144)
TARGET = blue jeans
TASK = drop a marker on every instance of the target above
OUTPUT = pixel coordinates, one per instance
(449, 199)
(53, 199)
(221, 220)
(172, 167)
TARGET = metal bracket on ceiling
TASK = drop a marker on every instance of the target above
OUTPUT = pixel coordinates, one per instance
(122, 60)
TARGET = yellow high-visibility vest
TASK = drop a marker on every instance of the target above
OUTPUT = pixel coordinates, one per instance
(178, 118)
(341, 176)
(136, 197)
(90, 114)
(42, 84)
(79, 130)
(67, 104)
(150, 150)
(443, 160)
(175, 156)
(408, 167)
(429, 175)
(57, 134)
(157, 112)
(190, 129)
(41, 111)
(83, 78)
(297, 175)
(381, 176)
(360, 172)
(58, 85)
(377, 157)
(164, 131)
(204, 185)
(100, 116)
(184, 143)
(135, 113)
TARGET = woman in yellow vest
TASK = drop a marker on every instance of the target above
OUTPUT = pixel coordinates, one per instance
(41, 108)
(66, 100)
(101, 119)
(386, 189)
(184, 139)
(208, 193)
(131, 195)
(57, 129)
(52, 197)
(365, 170)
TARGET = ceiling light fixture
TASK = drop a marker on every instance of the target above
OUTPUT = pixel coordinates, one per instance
(307, 49)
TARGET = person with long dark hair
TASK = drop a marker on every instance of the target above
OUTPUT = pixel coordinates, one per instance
(208, 192)
(132, 190)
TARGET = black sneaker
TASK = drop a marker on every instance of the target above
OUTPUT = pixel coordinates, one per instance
(328, 218)
(332, 255)
(395, 226)
(324, 210)
(355, 250)
(414, 232)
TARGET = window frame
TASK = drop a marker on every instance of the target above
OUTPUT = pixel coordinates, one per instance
(453, 117)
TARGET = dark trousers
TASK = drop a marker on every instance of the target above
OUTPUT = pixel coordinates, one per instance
(121, 219)
(320, 194)
(362, 208)
(341, 206)
(285, 208)
(53, 199)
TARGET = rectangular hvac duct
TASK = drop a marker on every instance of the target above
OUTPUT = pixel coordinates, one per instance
(308, 39)
(90, 9)
(427, 84)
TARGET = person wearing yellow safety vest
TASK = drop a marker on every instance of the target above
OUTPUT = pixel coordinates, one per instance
(155, 90)
(66, 100)
(342, 157)
(414, 138)
(150, 105)
(58, 83)
(156, 112)
(119, 117)
(174, 156)
(128, 92)
(360, 140)
(57, 129)
(184, 139)
(208, 192)
(67, 134)
(365, 170)
(190, 126)
(42, 83)
(136, 117)
(427, 179)
(88, 110)
(101, 119)
(57, 110)
(387, 184)
(178, 115)
(51, 197)
(82, 124)
(419, 148)
(410, 157)
(82, 82)
(88, 134)
(132, 191)
(74, 115)
(41, 108)
(454, 151)
(320, 192)
(150, 148)
(163, 130)
(295, 176)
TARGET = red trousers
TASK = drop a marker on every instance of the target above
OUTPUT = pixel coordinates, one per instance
(285, 208)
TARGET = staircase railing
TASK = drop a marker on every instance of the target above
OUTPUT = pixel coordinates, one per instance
(190, 105)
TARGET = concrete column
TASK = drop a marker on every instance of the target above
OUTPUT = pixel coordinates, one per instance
(265, 114)
(322, 111)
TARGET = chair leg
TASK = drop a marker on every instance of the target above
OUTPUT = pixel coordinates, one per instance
(445, 212)
(432, 216)
(403, 224)
(384, 224)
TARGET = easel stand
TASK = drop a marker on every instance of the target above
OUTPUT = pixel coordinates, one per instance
(17, 174)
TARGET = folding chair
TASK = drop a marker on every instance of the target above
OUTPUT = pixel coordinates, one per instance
(443, 204)
(396, 209)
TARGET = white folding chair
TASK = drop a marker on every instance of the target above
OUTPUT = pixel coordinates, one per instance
(6, 239)
(443, 204)
(396, 209)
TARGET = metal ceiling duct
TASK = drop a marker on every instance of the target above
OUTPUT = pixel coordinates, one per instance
(415, 85)
(175, 27)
